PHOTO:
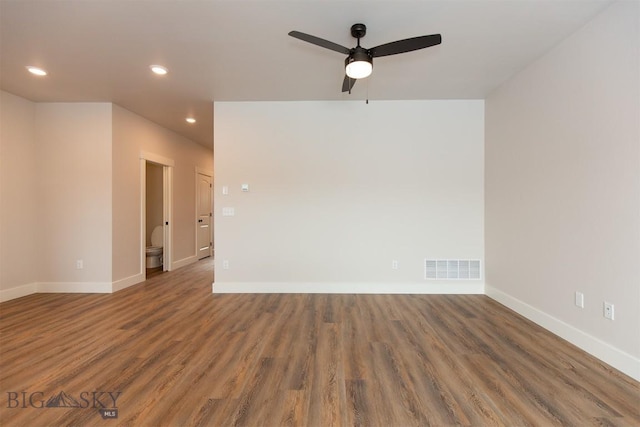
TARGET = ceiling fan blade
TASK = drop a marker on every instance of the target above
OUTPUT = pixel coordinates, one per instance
(319, 42)
(406, 45)
(347, 84)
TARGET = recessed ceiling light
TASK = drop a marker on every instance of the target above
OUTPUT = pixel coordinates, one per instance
(190, 120)
(159, 70)
(37, 71)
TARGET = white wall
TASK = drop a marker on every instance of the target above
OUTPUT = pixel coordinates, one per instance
(132, 135)
(19, 205)
(563, 188)
(74, 191)
(340, 189)
(56, 197)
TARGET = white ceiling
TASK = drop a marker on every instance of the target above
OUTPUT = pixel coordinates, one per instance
(239, 50)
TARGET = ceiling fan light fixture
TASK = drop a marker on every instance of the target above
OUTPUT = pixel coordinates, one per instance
(359, 65)
(359, 69)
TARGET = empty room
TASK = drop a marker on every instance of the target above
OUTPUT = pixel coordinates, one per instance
(320, 213)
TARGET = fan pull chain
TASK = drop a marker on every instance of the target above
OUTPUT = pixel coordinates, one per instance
(367, 92)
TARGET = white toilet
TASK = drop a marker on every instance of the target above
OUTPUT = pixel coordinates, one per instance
(154, 252)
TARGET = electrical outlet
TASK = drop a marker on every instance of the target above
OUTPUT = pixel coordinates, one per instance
(580, 299)
(79, 264)
(394, 264)
(225, 264)
(608, 310)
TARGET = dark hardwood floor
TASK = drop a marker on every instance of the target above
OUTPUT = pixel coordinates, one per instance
(167, 352)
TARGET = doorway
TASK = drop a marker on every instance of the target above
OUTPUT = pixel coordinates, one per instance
(156, 197)
(154, 218)
(204, 212)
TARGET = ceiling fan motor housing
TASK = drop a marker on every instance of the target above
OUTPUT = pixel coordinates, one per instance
(359, 54)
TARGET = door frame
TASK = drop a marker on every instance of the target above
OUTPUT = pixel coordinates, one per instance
(167, 208)
(209, 173)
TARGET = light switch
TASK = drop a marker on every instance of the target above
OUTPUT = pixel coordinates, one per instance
(228, 211)
(225, 190)
(245, 187)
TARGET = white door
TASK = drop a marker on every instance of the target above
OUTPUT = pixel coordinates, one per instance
(204, 216)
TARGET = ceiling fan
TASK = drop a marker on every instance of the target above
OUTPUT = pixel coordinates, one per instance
(359, 62)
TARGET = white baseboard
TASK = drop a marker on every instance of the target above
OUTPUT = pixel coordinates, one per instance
(613, 356)
(184, 262)
(75, 288)
(69, 287)
(18, 292)
(127, 281)
(346, 288)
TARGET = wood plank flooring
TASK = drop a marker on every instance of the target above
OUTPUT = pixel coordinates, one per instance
(181, 356)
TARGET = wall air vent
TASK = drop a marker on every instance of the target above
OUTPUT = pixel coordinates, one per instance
(452, 269)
